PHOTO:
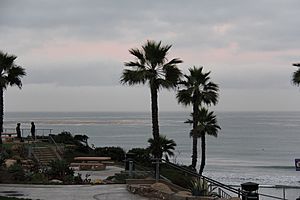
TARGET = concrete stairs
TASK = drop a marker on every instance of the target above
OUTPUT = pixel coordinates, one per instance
(45, 155)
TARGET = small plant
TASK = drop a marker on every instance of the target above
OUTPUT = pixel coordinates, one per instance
(17, 172)
(116, 153)
(59, 169)
(199, 187)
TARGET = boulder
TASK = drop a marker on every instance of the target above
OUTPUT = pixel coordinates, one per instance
(55, 181)
(10, 162)
(162, 188)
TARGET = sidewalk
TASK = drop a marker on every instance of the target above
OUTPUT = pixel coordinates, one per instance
(73, 192)
(69, 192)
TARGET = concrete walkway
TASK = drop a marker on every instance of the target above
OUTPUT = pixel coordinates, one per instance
(73, 192)
(69, 192)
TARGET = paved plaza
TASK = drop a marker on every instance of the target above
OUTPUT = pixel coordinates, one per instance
(73, 192)
(69, 192)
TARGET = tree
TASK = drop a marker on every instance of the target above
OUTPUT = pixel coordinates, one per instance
(11, 75)
(197, 89)
(296, 75)
(152, 66)
(162, 146)
(207, 125)
(82, 138)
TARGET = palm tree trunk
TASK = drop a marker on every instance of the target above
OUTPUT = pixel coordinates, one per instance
(202, 154)
(1, 113)
(194, 152)
(154, 110)
(195, 139)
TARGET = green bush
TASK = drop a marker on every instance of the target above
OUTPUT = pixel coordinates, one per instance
(141, 156)
(177, 177)
(64, 137)
(17, 172)
(59, 169)
(3, 155)
(38, 178)
(116, 153)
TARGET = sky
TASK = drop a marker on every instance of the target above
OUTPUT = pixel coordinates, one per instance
(74, 51)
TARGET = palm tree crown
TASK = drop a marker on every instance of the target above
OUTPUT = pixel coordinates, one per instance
(162, 146)
(296, 75)
(198, 89)
(152, 66)
(207, 124)
(10, 75)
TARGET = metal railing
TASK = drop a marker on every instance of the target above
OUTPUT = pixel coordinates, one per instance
(283, 191)
(221, 188)
(26, 131)
(57, 148)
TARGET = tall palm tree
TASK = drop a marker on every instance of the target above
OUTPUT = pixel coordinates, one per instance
(162, 146)
(152, 66)
(296, 75)
(197, 90)
(207, 125)
(10, 75)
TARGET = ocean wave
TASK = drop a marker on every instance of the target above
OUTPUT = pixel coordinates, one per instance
(275, 167)
(82, 122)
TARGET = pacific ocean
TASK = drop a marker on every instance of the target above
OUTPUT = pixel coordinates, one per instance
(251, 146)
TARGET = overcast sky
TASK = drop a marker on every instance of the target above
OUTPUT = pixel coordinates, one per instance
(74, 50)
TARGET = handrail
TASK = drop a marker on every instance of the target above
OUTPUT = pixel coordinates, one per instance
(221, 185)
(216, 183)
(27, 130)
(56, 146)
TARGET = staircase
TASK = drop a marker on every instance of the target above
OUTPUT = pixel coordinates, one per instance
(44, 155)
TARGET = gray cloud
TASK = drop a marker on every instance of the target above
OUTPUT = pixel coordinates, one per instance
(267, 25)
(81, 74)
(255, 29)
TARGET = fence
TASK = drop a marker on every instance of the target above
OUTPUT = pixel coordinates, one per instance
(26, 131)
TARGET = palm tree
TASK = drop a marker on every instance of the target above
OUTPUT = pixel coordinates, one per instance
(162, 146)
(11, 75)
(296, 75)
(207, 125)
(197, 90)
(152, 66)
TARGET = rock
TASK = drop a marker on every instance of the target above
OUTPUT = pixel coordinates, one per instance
(184, 193)
(55, 181)
(162, 188)
(10, 162)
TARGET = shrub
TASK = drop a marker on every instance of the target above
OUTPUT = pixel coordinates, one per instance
(17, 172)
(116, 153)
(59, 169)
(199, 187)
(64, 137)
(177, 177)
(141, 156)
(3, 155)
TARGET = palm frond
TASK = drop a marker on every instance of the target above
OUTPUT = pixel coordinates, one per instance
(184, 96)
(296, 77)
(206, 124)
(6, 61)
(132, 77)
(14, 76)
(138, 54)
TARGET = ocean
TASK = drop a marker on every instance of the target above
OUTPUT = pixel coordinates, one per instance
(259, 147)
